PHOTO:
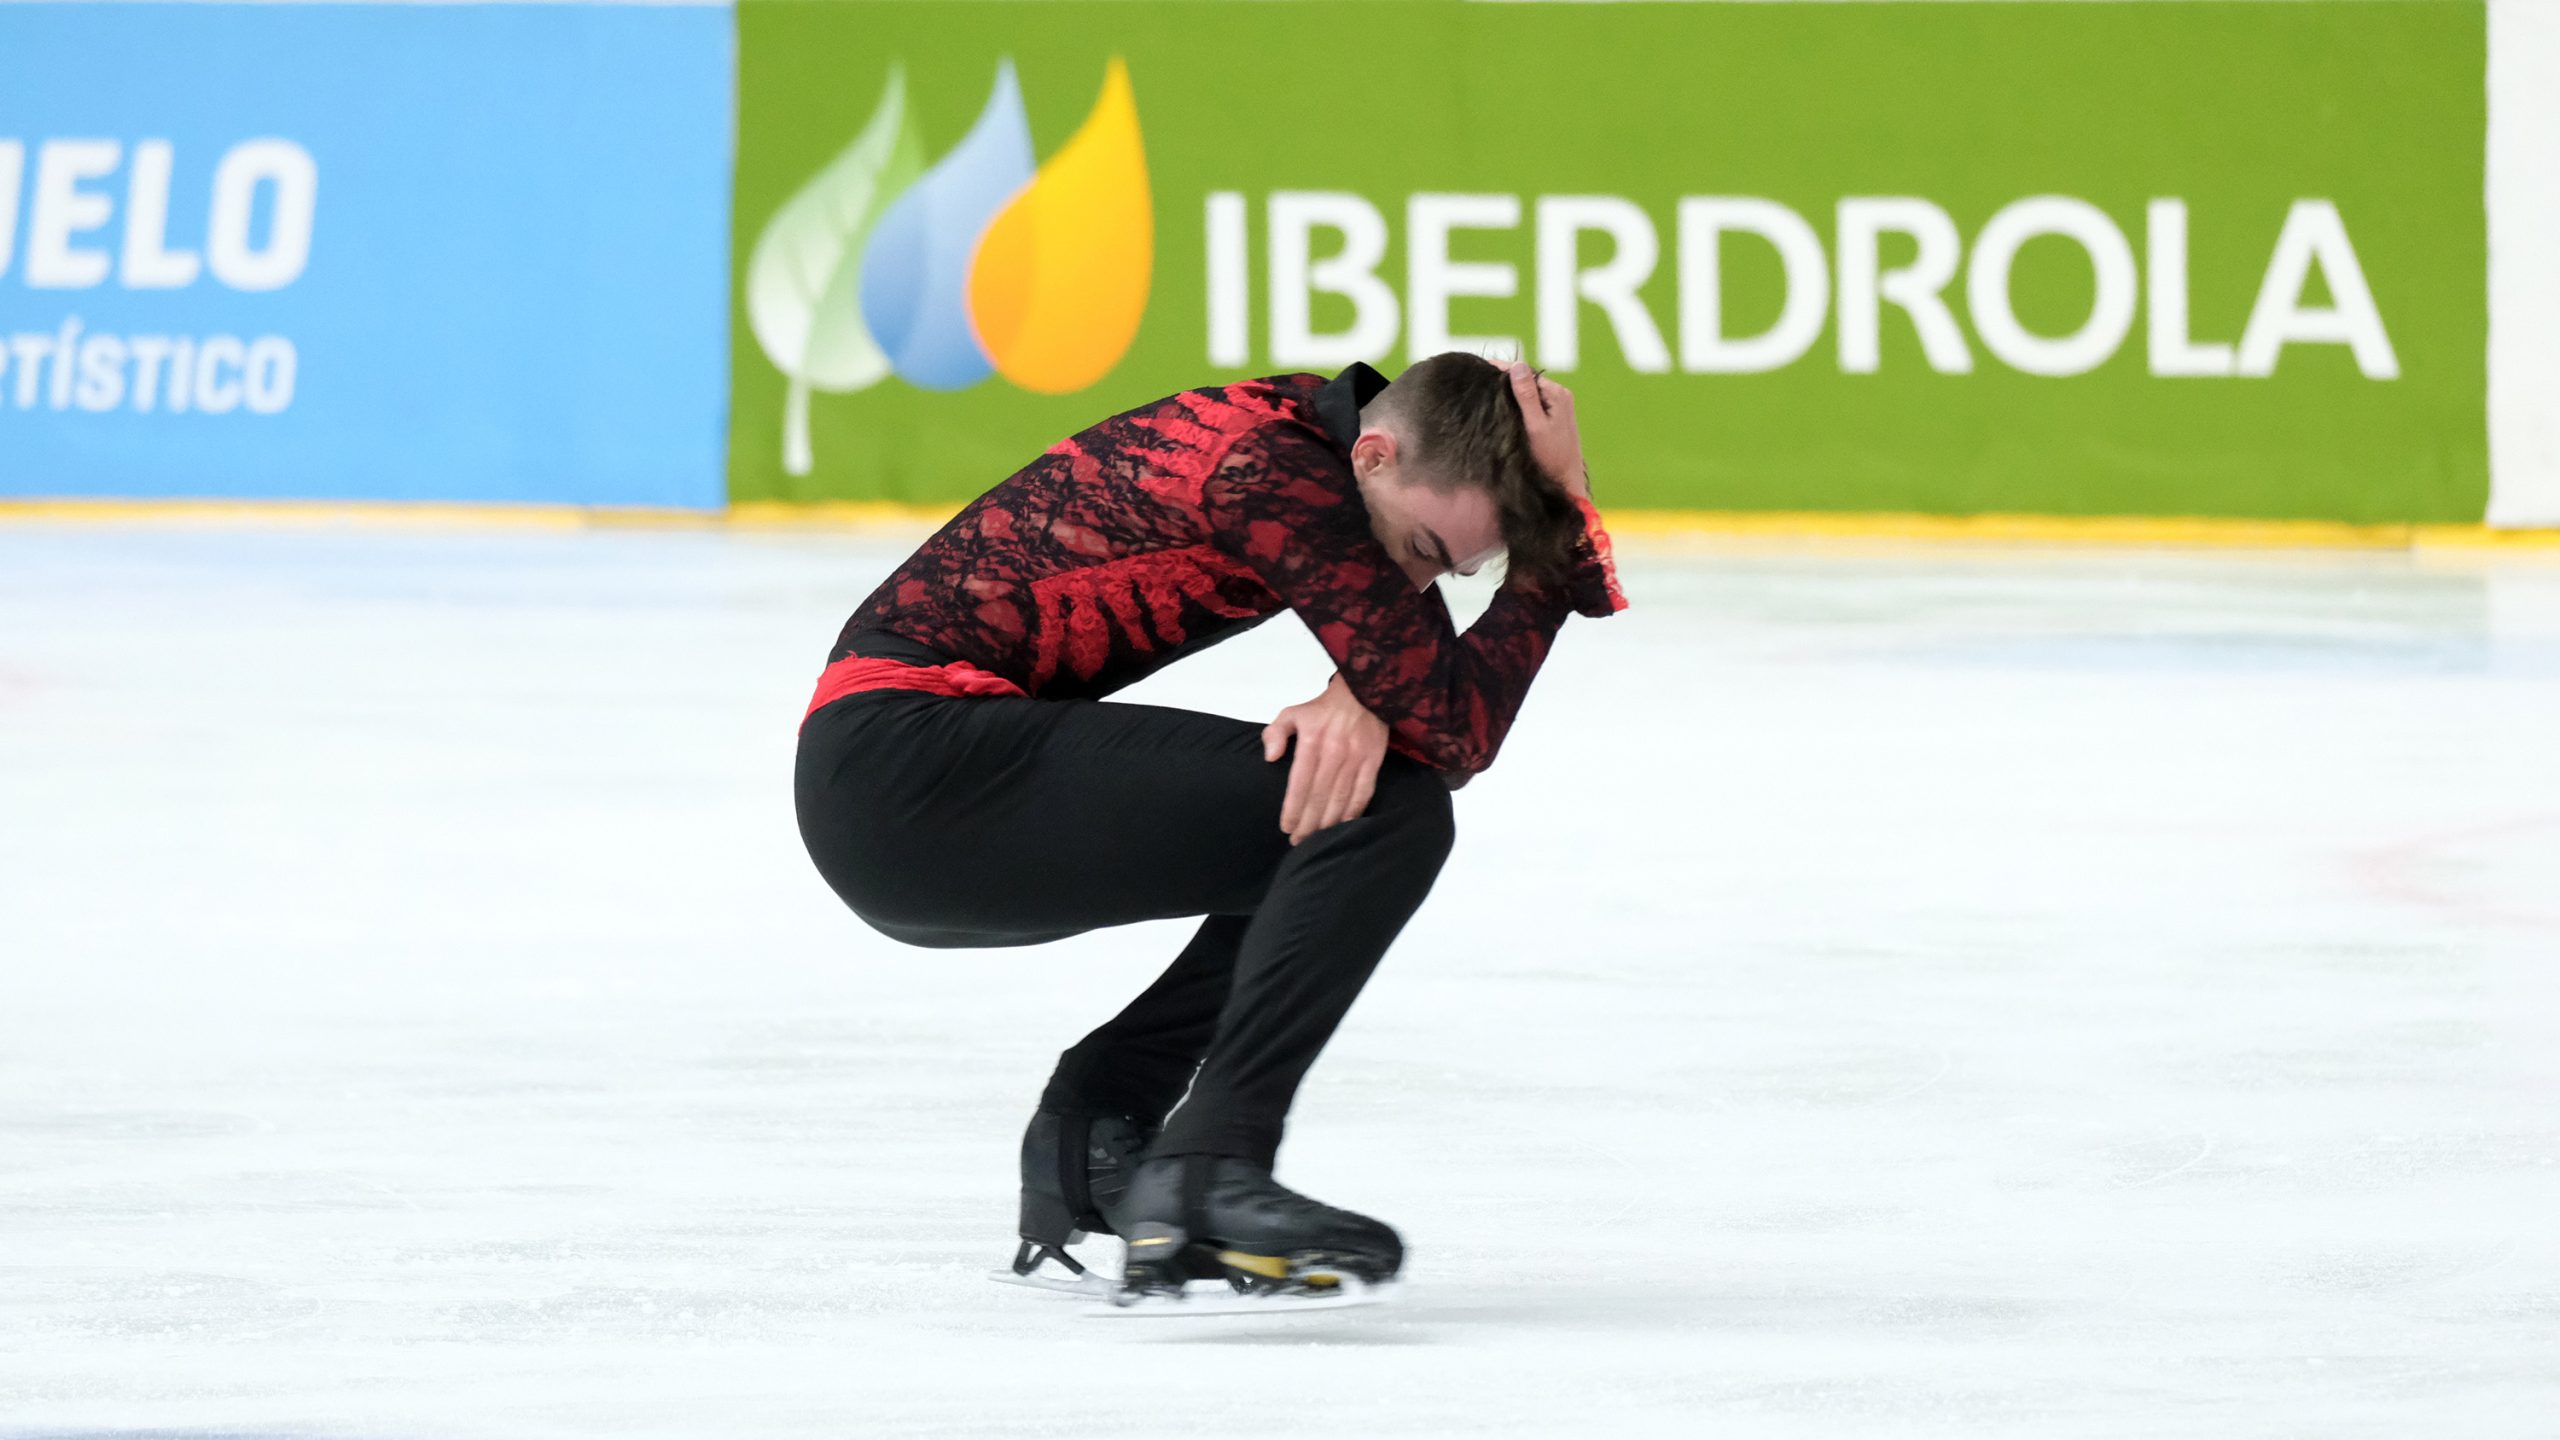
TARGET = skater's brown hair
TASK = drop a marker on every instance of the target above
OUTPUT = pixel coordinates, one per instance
(1460, 424)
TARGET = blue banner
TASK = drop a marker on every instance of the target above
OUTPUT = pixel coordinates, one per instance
(449, 252)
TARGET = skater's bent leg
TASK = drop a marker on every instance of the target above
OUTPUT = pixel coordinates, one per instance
(994, 822)
(1138, 1062)
(1334, 906)
(997, 820)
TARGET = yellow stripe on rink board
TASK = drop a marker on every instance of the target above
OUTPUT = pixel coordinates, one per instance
(840, 514)
(440, 514)
(2200, 531)
(390, 514)
(1788, 528)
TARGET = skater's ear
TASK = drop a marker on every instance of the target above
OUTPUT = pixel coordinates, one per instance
(1375, 453)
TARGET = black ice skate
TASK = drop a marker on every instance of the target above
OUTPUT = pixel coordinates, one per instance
(1256, 1244)
(1075, 1174)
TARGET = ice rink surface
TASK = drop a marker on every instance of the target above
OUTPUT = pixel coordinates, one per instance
(1923, 992)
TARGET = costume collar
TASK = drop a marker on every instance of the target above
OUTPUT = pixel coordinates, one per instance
(1339, 399)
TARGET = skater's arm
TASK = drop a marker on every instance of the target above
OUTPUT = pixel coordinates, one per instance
(1279, 503)
(1555, 443)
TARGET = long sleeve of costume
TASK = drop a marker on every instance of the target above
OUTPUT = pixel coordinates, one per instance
(1281, 503)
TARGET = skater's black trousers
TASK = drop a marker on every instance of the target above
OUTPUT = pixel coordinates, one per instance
(986, 821)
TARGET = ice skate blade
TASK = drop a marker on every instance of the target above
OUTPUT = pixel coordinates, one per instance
(1217, 1297)
(1038, 1266)
(1088, 1286)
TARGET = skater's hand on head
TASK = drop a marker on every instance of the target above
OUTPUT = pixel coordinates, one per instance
(1555, 440)
(1339, 748)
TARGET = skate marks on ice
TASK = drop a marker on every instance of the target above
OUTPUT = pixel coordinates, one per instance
(167, 1433)
(2139, 1161)
(121, 1305)
(2458, 872)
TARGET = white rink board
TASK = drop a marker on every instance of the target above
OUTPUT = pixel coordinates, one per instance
(2524, 293)
(1920, 993)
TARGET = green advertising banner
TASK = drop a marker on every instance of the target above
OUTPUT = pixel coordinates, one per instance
(2218, 259)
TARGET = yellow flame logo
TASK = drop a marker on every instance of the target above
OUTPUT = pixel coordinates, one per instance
(1060, 277)
(979, 263)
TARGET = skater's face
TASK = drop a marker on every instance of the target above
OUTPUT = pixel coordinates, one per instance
(1429, 531)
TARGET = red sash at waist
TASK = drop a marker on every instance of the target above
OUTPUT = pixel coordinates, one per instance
(857, 673)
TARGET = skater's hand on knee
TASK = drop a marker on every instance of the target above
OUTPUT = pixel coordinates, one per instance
(1339, 748)
(1555, 437)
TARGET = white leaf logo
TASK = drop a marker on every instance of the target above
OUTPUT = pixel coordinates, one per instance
(804, 279)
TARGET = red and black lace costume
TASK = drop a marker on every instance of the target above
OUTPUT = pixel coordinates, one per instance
(1177, 524)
